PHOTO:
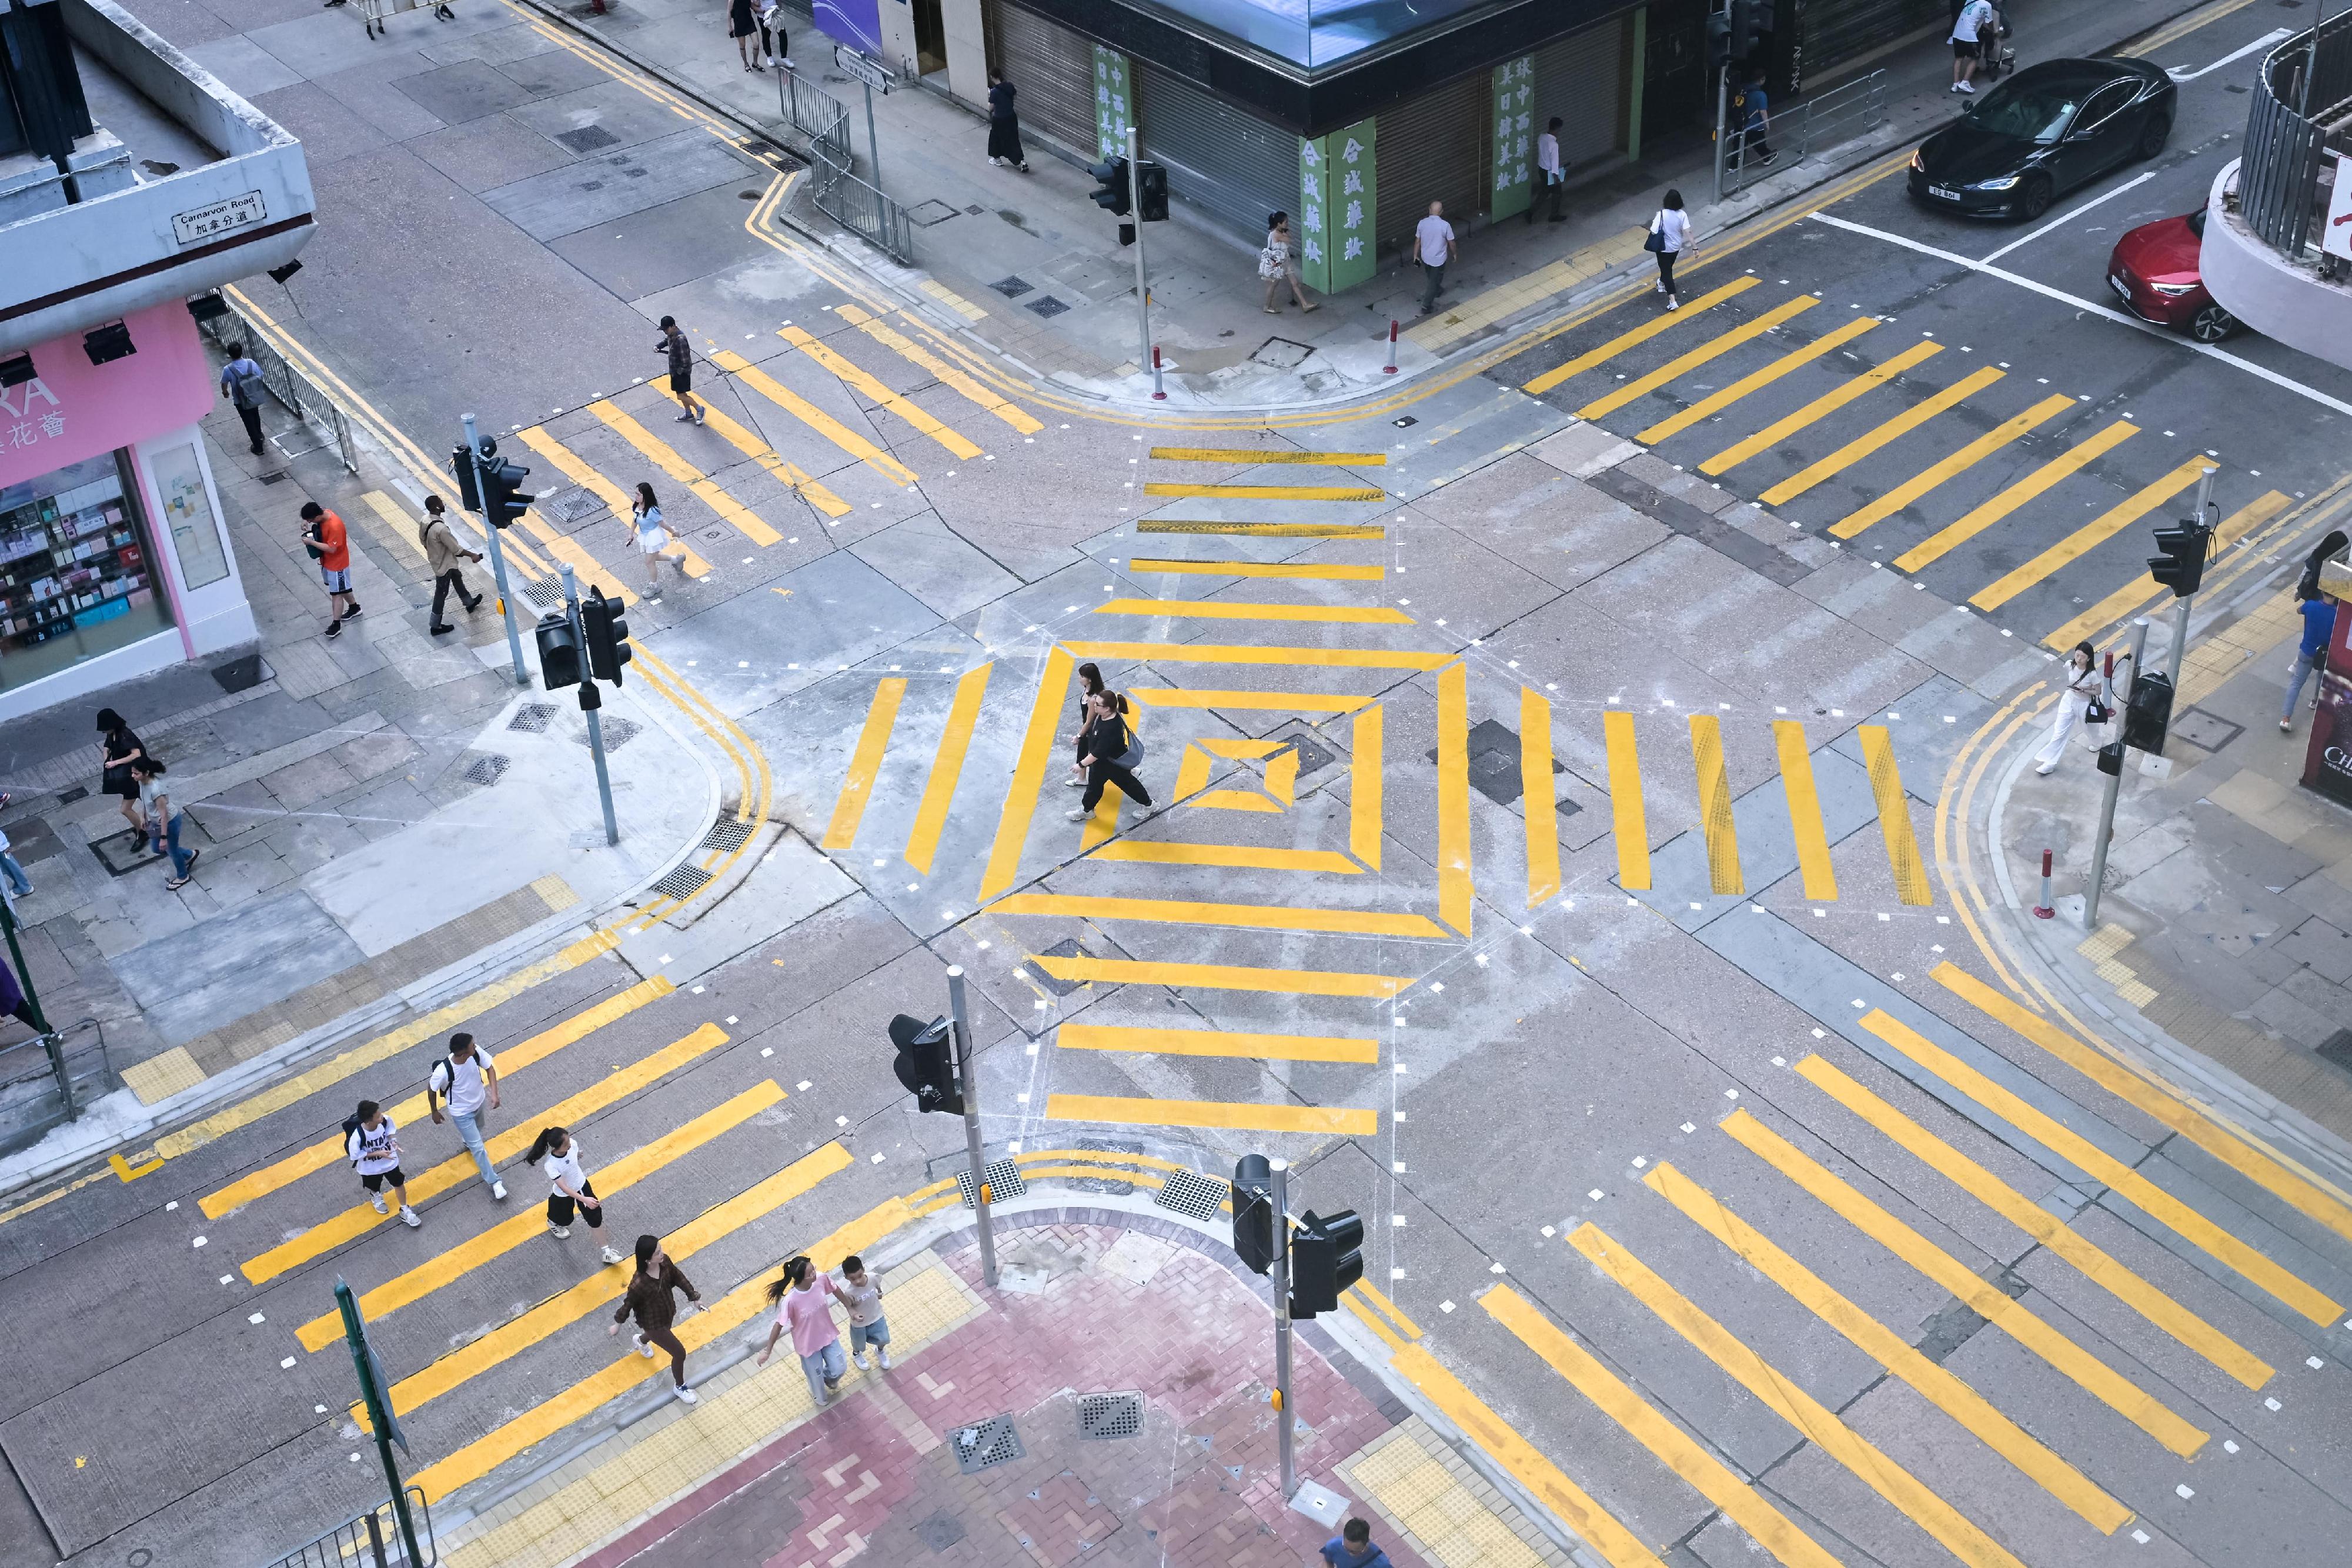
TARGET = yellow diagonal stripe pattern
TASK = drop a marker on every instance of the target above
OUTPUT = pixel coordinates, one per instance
(1895, 817)
(2073, 460)
(1638, 335)
(1683, 364)
(1937, 473)
(746, 522)
(1821, 408)
(1715, 403)
(1233, 1116)
(1884, 435)
(864, 764)
(1217, 1042)
(1805, 811)
(1633, 831)
(1222, 977)
(852, 374)
(1715, 805)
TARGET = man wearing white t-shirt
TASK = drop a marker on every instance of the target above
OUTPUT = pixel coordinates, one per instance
(1974, 24)
(468, 1080)
(1432, 246)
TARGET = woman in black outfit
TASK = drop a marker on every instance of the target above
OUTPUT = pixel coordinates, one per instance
(744, 28)
(1003, 125)
(1090, 681)
(118, 749)
(1107, 740)
(650, 1301)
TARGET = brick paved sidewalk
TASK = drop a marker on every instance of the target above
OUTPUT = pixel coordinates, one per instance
(1094, 1302)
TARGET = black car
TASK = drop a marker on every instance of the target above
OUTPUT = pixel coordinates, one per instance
(2046, 129)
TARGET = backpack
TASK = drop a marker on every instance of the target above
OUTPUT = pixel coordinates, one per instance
(246, 387)
(350, 1129)
(441, 1064)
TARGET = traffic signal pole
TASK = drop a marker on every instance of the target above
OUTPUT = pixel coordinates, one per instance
(1284, 1421)
(590, 700)
(2114, 786)
(969, 1077)
(499, 563)
(376, 1400)
(1142, 288)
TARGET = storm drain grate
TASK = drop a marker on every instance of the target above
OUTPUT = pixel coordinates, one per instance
(2337, 1047)
(618, 733)
(575, 505)
(531, 718)
(1047, 306)
(1103, 1417)
(1194, 1195)
(546, 595)
(682, 883)
(987, 1444)
(1004, 1182)
(488, 769)
(1013, 287)
(587, 139)
(726, 833)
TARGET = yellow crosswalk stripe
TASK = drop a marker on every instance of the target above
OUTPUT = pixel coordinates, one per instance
(1715, 403)
(1263, 492)
(1244, 917)
(1249, 702)
(2090, 535)
(815, 418)
(854, 375)
(790, 474)
(1364, 788)
(361, 1218)
(1248, 609)
(1682, 364)
(1217, 1042)
(1714, 805)
(746, 521)
(1028, 775)
(2095, 1376)
(1230, 1115)
(864, 764)
(1221, 977)
(2002, 435)
(327, 1328)
(1635, 339)
(1884, 1345)
(1895, 817)
(1782, 1396)
(2075, 1150)
(2142, 588)
(1805, 812)
(1263, 530)
(1242, 857)
(1454, 890)
(1821, 408)
(587, 569)
(1278, 454)
(2075, 458)
(1319, 573)
(1676, 1448)
(964, 385)
(1632, 830)
(2067, 1243)
(705, 1327)
(1221, 653)
(947, 767)
(1884, 435)
(508, 1062)
(582, 473)
(1536, 796)
(605, 1286)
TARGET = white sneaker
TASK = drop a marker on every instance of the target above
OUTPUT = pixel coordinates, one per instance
(498, 1191)
(375, 1201)
(882, 1356)
(408, 1216)
(643, 1348)
(612, 1257)
(1672, 303)
(858, 1361)
(685, 1394)
(559, 1231)
(2047, 767)
(1969, 87)
(1077, 813)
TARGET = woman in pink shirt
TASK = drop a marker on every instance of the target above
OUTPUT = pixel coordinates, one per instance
(801, 1295)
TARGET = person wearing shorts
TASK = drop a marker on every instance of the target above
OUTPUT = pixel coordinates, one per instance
(372, 1142)
(323, 534)
(1975, 20)
(652, 537)
(682, 369)
(557, 1152)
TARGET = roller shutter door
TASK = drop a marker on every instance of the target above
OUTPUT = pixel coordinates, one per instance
(1052, 71)
(1434, 148)
(1233, 167)
(1835, 31)
(1579, 78)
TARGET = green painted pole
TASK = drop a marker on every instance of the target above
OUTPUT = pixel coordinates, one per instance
(379, 1418)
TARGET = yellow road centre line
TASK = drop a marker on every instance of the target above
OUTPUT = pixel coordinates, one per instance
(864, 764)
(1259, 702)
(1278, 454)
(1230, 1115)
(1372, 1321)
(1263, 492)
(1536, 798)
(969, 390)
(1821, 408)
(1028, 775)
(1780, 1393)
(1884, 1345)
(1217, 1042)
(1895, 817)
(665, 457)
(1245, 610)
(1240, 857)
(2090, 535)
(815, 418)
(361, 1218)
(2306, 1197)
(1263, 530)
(1453, 796)
(1714, 805)
(2009, 430)
(1364, 789)
(1716, 402)
(1334, 573)
(1676, 1448)
(947, 767)
(1222, 977)
(1245, 916)
(1805, 812)
(852, 374)
(327, 1328)
(2116, 606)
(2075, 458)
(2068, 1244)
(1886, 434)
(1682, 364)
(582, 473)
(1625, 801)
(1221, 653)
(790, 474)
(508, 1062)
(1638, 335)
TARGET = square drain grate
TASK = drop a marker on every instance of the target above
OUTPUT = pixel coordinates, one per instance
(986, 1445)
(532, 718)
(1046, 306)
(1013, 287)
(1068, 948)
(2337, 1047)
(1312, 753)
(1104, 1417)
(682, 882)
(1494, 762)
(546, 595)
(588, 139)
(571, 506)
(1004, 1182)
(726, 833)
(618, 733)
(488, 769)
(1193, 1195)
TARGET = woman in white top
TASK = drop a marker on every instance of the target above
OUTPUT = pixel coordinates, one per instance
(557, 1152)
(162, 820)
(1278, 262)
(2082, 683)
(652, 537)
(1672, 227)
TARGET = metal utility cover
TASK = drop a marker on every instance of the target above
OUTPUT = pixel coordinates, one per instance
(1004, 1182)
(1104, 1417)
(986, 1444)
(532, 718)
(1193, 1195)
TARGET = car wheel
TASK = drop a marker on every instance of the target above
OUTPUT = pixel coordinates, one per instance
(2034, 199)
(2152, 138)
(2211, 323)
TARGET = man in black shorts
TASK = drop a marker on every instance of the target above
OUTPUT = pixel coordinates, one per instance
(682, 369)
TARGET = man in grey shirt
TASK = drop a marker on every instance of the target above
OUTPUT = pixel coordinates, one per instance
(1432, 246)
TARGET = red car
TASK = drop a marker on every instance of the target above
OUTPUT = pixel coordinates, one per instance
(2155, 268)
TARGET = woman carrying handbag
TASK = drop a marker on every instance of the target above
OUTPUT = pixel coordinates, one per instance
(1670, 231)
(2077, 704)
(1278, 262)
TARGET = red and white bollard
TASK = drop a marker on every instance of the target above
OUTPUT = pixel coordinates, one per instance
(2045, 910)
(1393, 337)
(1158, 393)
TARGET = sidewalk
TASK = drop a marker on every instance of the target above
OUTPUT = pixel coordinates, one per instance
(1041, 236)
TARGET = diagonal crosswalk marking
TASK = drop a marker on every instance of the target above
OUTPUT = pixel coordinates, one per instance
(1635, 339)
(1250, 610)
(864, 764)
(1631, 830)
(2090, 535)
(1275, 455)
(815, 418)
(1262, 530)
(1805, 812)
(1365, 779)
(1454, 886)
(1716, 823)
(584, 474)
(1221, 977)
(1244, 917)
(1028, 774)
(1216, 1042)
(955, 379)
(664, 457)
(1884, 435)
(1682, 364)
(1263, 492)
(790, 474)
(1229, 1116)
(1895, 817)
(947, 767)
(1537, 796)
(852, 374)
(2074, 459)
(1242, 857)
(1224, 654)
(1821, 408)
(1946, 468)
(1715, 403)
(1325, 573)
(2144, 588)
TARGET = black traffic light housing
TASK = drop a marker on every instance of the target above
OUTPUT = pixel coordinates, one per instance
(1326, 1258)
(559, 665)
(1743, 29)
(1151, 181)
(2182, 567)
(607, 635)
(461, 466)
(1254, 1215)
(507, 501)
(1110, 177)
(2147, 712)
(925, 1063)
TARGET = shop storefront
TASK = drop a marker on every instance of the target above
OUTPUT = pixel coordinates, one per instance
(114, 561)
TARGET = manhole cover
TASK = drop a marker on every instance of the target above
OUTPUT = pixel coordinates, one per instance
(975, 211)
(1049, 306)
(726, 833)
(2337, 1047)
(986, 1445)
(939, 1532)
(682, 882)
(618, 733)
(532, 718)
(241, 675)
(1004, 1182)
(1281, 353)
(931, 212)
(574, 505)
(587, 139)
(2205, 730)
(1103, 1417)
(1494, 770)
(1068, 948)
(1013, 287)
(1196, 1196)
(1312, 753)
(271, 478)
(485, 770)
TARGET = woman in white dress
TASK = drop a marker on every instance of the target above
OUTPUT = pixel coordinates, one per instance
(653, 537)
(2081, 678)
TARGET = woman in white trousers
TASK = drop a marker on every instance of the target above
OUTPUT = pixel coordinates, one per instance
(2082, 685)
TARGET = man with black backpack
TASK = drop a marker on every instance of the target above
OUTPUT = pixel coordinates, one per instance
(371, 1144)
(469, 1079)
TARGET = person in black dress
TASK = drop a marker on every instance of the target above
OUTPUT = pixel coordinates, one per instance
(1108, 741)
(118, 747)
(744, 28)
(1003, 125)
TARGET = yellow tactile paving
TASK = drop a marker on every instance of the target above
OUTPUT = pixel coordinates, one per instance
(1413, 1479)
(161, 1076)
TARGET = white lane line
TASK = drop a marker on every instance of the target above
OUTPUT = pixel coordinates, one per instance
(2092, 308)
(2179, 73)
(2070, 217)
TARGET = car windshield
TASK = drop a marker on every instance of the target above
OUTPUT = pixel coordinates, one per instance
(2031, 111)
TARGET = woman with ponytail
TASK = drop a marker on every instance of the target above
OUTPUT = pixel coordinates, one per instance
(650, 1303)
(557, 1152)
(800, 1294)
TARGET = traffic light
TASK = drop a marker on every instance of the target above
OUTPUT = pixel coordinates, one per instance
(461, 464)
(1326, 1258)
(1743, 29)
(2147, 712)
(1152, 182)
(559, 651)
(507, 500)
(1254, 1216)
(2182, 567)
(607, 635)
(1110, 177)
(925, 1063)
(1718, 41)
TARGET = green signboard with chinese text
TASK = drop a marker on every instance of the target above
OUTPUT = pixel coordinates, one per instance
(1337, 209)
(1513, 136)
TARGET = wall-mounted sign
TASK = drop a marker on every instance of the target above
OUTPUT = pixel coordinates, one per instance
(203, 223)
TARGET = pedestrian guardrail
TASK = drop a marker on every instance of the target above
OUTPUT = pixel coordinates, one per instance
(50, 1080)
(293, 391)
(370, 1539)
(2296, 120)
(839, 194)
(1825, 121)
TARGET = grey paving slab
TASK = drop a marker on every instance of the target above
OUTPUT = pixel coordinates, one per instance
(1681, 879)
(375, 97)
(245, 66)
(488, 153)
(465, 91)
(321, 43)
(226, 969)
(664, 246)
(611, 186)
(614, 107)
(935, 565)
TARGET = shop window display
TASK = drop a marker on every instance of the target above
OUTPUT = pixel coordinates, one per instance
(77, 575)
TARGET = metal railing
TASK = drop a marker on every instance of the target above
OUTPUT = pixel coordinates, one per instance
(839, 194)
(2299, 116)
(1825, 121)
(295, 392)
(369, 1540)
(49, 1080)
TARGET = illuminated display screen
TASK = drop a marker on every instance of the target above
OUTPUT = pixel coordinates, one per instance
(1316, 33)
